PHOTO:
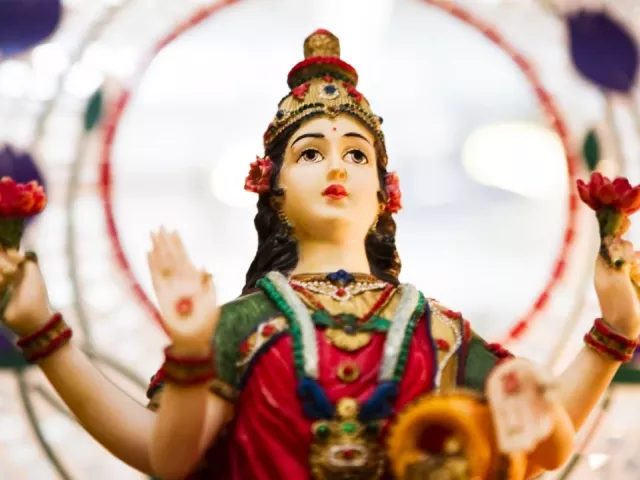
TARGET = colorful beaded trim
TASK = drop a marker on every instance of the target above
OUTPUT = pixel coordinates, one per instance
(446, 317)
(302, 329)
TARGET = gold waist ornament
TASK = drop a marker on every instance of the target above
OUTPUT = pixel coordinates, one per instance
(344, 448)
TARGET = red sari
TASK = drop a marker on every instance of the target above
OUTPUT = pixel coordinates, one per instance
(270, 438)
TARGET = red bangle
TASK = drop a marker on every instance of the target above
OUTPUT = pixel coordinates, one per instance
(55, 319)
(187, 360)
(187, 370)
(46, 339)
(604, 340)
(610, 352)
(605, 330)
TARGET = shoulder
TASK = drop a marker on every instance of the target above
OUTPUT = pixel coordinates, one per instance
(239, 322)
(455, 339)
(445, 321)
(235, 339)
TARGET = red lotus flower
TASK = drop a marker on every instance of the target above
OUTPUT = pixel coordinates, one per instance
(259, 178)
(18, 201)
(602, 193)
(392, 185)
(21, 200)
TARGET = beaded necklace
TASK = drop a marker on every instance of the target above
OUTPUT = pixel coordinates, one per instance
(348, 332)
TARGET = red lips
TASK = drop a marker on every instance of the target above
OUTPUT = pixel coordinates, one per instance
(335, 191)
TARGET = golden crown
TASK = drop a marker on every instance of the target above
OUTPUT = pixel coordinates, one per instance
(322, 84)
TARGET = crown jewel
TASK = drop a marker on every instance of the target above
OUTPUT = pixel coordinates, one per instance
(323, 84)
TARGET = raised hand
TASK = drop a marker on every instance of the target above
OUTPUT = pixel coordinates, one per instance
(28, 307)
(186, 295)
(520, 405)
(617, 286)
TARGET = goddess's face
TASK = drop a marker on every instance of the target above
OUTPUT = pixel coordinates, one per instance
(330, 178)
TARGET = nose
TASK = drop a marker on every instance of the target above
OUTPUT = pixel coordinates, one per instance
(337, 172)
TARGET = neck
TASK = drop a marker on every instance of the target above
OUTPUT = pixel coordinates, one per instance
(324, 256)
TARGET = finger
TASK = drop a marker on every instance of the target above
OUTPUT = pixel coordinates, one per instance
(154, 255)
(206, 279)
(620, 250)
(7, 267)
(178, 247)
(163, 256)
(153, 270)
(183, 262)
(14, 256)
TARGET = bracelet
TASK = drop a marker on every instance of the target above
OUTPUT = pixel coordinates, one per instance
(46, 340)
(604, 340)
(188, 370)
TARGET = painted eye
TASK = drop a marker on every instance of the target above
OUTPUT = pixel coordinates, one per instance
(310, 156)
(357, 157)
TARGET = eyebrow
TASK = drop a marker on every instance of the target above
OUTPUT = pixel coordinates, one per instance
(354, 134)
(320, 135)
(307, 135)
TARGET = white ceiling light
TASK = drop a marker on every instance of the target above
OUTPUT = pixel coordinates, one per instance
(82, 81)
(15, 77)
(49, 59)
(523, 158)
(227, 178)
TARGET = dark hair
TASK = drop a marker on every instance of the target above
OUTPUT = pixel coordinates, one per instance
(278, 250)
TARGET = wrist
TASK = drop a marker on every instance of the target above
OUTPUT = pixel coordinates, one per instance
(611, 342)
(46, 340)
(189, 367)
(190, 349)
(32, 323)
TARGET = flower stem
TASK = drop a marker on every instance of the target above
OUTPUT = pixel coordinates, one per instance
(610, 223)
(11, 230)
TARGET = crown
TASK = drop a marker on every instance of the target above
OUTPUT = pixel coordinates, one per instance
(322, 84)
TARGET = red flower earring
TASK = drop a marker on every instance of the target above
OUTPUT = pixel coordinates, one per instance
(392, 186)
(259, 178)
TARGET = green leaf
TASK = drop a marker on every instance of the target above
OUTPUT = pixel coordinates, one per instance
(591, 150)
(93, 113)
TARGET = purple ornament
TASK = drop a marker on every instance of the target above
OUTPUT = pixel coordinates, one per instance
(603, 51)
(10, 356)
(20, 166)
(25, 23)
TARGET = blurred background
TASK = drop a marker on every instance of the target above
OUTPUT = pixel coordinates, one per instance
(140, 113)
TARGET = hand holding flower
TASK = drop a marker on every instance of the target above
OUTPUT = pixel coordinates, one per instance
(18, 201)
(617, 273)
(613, 202)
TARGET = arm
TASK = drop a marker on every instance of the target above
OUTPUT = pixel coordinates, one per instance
(114, 419)
(168, 443)
(555, 449)
(583, 382)
(179, 441)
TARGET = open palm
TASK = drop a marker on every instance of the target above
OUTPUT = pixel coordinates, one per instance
(186, 295)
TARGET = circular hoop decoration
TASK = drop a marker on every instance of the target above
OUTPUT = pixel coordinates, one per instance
(558, 124)
(112, 122)
(544, 98)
